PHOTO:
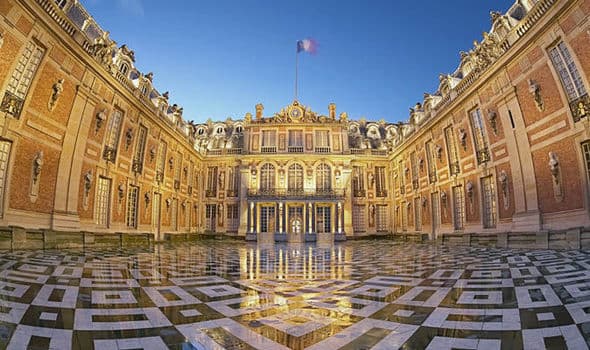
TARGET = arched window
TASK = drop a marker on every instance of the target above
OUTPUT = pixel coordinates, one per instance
(295, 177)
(267, 177)
(124, 68)
(323, 180)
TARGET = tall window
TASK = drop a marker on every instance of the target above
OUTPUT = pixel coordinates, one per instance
(380, 184)
(402, 177)
(232, 217)
(295, 141)
(210, 214)
(417, 214)
(295, 174)
(190, 177)
(323, 180)
(481, 146)
(5, 147)
(132, 197)
(358, 181)
(267, 177)
(211, 190)
(359, 218)
(431, 159)
(489, 202)
(267, 219)
(452, 153)
(21, 78)
(139, 150)
(233, 181)
(323, 219)
(570, 79)
(458, 207)
(174, 215)
(161, 164)
(113, 132)
(404, 208)
(177, 167)
(269, 141)
(322, 141)
(381, 218)
(102, 202)
(415, 171)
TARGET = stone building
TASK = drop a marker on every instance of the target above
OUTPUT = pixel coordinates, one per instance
(499, 153)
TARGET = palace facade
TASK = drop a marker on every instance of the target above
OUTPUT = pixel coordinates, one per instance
(499, 153)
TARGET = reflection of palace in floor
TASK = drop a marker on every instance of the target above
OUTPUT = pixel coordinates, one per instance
(355, 295)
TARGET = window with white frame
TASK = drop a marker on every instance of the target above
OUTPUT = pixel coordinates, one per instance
(112, 137)
(269, 141)
(452, 153)
(489, 202)
(232, 217)
(296, 138)
(358, 181)
(139, 153)
(132, 201)
(161, 163)
(233, 181)
(381, 217)
(102, 202)
(404, 209)
(323, 180)
(481, 146)
(21, 79)
(211, 190)
(571, 80)
(458, 207)
(295, 178)
(5, 147)
(322, 141)
(267, 219)
(210, 214)
(267, 177)
(380, 185)
(431, 159)
(323, 219)
(359, 218)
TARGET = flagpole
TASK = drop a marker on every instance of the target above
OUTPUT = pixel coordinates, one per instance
(296, 67)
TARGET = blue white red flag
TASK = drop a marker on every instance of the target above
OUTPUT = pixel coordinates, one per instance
(307, 45)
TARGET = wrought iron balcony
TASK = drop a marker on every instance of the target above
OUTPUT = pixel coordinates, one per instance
(231, 193)
(211, 193)
(302, 193)
(322, 150)
(381, 193)
(268, 149)
(295, 149)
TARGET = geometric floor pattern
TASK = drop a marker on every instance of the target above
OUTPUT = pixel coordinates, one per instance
(354, 295)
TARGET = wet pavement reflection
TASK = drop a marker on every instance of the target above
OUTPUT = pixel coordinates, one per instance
(225, 294)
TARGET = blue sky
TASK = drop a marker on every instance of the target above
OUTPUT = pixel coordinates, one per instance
(218, 58)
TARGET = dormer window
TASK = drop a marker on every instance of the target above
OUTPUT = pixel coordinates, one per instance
(144, 90)
(239, 130)
(124, 68)
(201, 131)
(219, 130)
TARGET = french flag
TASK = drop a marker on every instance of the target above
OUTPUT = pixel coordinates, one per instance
(307, 45)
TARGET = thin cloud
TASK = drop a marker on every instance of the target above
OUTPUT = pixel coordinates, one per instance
(134, 7)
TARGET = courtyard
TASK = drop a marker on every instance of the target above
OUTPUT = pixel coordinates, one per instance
(369, 294)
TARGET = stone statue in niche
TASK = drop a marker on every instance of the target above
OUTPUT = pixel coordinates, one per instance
(222, 180)
(147, 199)
(554, 167)
(469, 188)
(35, 175)
(463, 138)
(103, 49)
(87, 186)
(535, 90)
(493, 118)
(503, 178)
(100, 118)
(371, 215)
(56, 91)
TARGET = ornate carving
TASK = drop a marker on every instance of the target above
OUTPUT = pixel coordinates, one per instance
(259, 110)
(438, 151)
(99, 120)
(88, 177)
(121, 192)
(128, 138)
(171, 163)
(492, 117)
(168, 202)
(535, 91)
(11, 104)
(103, 49)
(469, 188)
(424, 201)
(147, 198)
(152, 154)
(463, 138)
(56, 91)
(332, 111)
(1, 39)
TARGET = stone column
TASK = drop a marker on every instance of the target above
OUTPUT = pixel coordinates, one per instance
(333, 218)
(310, 207)
(257, 218)
(304, 228)
(340, 217)
(281, 216)
(251, 213)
